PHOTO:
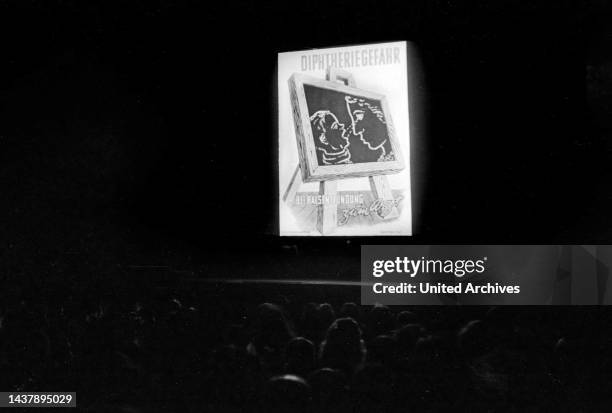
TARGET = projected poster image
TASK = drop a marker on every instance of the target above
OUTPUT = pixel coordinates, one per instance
(344, 141)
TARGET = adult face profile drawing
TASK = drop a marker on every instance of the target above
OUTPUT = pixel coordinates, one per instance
(331, 138)
(367, 122)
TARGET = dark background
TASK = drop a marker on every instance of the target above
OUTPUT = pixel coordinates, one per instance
(118, 119)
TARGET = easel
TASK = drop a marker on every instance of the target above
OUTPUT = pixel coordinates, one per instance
(327, 214)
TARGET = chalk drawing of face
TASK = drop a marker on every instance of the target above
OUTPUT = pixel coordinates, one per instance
(367, 122)
(329, 133)
(331, 138)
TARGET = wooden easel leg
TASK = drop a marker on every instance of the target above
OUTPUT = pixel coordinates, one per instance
(382, 190)
(327, 216)
(294, 185)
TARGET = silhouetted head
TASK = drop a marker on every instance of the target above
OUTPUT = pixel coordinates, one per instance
(473, 339)
(300, 356)
(380, 321)
(329, 387)
(407, 337)
(343, 347)
(271, 327)
(382, 350)
(326, 315)
(287, 393)
(350, 310)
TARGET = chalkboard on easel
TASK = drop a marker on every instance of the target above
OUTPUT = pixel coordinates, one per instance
(342, 131)
(347, 128)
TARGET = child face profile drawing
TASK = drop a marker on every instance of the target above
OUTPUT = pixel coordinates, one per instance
(367, 122)
(328, 131)
(331, 138)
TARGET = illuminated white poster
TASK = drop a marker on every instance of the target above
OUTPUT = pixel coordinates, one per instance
(344, 144)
